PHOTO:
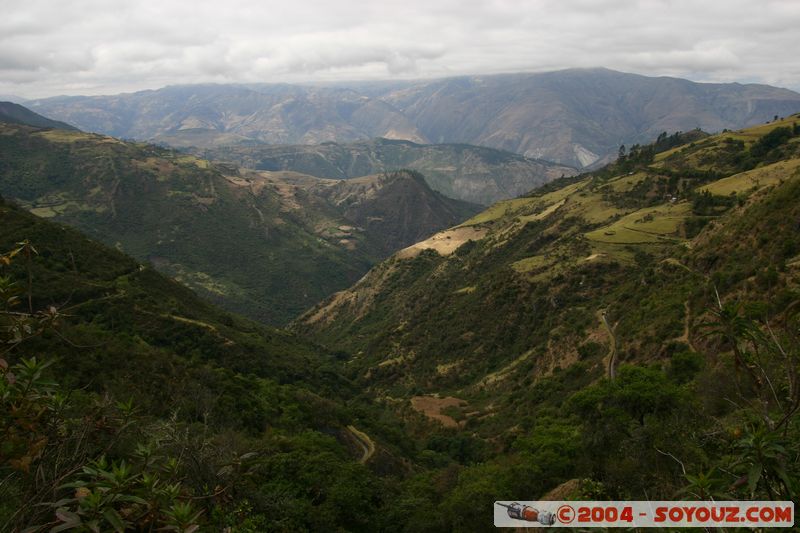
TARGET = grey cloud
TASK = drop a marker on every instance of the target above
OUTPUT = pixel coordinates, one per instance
(107, 46)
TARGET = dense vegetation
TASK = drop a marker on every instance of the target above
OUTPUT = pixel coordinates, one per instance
(644, 314)
(260, 246)
(126, 399)
(632, 333)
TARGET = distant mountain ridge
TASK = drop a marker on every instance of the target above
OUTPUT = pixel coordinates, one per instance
(580, 117)
(472, 173)
(576, 117)
(230, 113)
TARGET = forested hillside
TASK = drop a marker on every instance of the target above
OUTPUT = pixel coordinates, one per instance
(630, 333)
(128, 400)
(17, 114)
(635, 327)
(254, 242)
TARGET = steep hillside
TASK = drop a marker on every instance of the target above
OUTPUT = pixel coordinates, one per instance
(391, 210)
(17, 114)
(170, 399)
(471, 173)
(622, 334)
(574, 117)
(626, 334)
(252, 242)
(527, 286)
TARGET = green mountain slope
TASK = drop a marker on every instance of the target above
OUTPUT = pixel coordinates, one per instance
(524, 281)
(390, 210)
(472, 173)
(17, 114)
(573, 337)
(249, 423)
(252, 242)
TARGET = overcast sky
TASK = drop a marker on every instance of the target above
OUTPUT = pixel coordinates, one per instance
(49, 47)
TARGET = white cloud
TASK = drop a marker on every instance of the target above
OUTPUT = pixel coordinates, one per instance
(108, 46)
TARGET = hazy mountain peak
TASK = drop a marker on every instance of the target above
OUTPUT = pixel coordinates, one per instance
(576, 117)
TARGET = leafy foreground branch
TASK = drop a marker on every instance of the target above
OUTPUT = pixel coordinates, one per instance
(54, 444)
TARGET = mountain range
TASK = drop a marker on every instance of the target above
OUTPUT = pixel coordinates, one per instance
(576, 117)
(471, 173)
(630, 332)
(296, 238)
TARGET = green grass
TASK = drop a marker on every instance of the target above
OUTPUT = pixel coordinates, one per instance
(66, 136)
(188, 159)
(754, 179)
(621, 235)
(650, 225)
(626, 183)
(500, 210)
(528, 208)
(531, 263)
(593, 208)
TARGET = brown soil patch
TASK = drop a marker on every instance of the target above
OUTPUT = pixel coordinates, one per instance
(445, 242)
(324, 310)
(431, 406)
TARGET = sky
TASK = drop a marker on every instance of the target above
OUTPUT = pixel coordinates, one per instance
(49, 47)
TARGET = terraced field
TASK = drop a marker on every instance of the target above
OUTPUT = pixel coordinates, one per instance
(754, 179)
(656, 224)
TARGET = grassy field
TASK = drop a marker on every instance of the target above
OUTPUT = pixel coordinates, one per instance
(650, 225)
(626, 183)
(754, 179)
(593, 208)
(199, 163)
(545, 213)
(530, 264)
(66, 136)
(753, 133)
(534, 208)
(500, 210)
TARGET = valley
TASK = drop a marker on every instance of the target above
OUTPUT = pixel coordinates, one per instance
(470, 173)
(642, 313)
(297, 238)
(533, 261)
(399, 267)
